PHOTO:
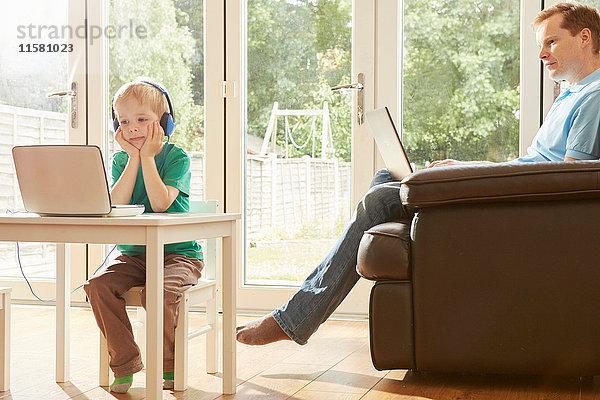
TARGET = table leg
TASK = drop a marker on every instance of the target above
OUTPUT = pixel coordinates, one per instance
(5, 340)
(63, 309)
(229, 312)
(154, 315)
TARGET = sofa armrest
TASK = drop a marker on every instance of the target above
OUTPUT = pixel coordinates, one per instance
(501, 182)
(384, 252)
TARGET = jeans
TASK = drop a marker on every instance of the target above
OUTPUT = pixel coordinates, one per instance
(331, 281)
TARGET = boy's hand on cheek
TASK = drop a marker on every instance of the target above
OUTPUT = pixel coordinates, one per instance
(130, 149)
(153, 143)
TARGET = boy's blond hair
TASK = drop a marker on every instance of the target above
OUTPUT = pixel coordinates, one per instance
(576, 17)
(145, 93)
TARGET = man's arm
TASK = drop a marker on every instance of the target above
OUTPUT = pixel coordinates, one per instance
(444, 163)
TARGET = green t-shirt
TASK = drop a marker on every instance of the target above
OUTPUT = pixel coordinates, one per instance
(174, 172)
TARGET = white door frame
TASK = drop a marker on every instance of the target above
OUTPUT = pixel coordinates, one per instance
(377, 38)
(537, 89)
(214, 102)
(45, 288)
(548, 85)
(97, 80)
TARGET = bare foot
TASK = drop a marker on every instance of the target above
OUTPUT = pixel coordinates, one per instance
(261, 331)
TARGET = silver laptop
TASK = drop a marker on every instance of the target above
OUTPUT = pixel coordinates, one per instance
(389, 142)
(66, 180)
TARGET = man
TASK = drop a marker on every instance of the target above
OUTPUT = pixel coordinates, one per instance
(568, 36)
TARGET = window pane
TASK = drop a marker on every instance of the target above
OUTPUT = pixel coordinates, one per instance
(32, 64)
(164, 43)
(461, 80)
(297, 183)
(593, 3)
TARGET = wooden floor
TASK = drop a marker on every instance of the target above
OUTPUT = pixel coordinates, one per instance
(334, 365)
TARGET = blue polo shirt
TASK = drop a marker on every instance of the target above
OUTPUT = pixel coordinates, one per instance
(572, 126)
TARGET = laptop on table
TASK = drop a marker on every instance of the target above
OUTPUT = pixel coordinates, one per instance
(389, 142)
(66, 180)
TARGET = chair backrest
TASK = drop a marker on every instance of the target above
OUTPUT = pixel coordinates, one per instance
(210, 247)
(204, 206)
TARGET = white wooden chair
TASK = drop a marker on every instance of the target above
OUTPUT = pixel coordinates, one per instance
(205, 292)
(5, 338)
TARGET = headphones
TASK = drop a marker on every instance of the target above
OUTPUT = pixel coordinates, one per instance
(167, 121)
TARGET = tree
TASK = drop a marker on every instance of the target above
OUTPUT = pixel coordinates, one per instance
(165, 54)
(296, 51)
(461, 78)
(190, 14)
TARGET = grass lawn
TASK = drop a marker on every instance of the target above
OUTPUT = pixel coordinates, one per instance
(286, 260)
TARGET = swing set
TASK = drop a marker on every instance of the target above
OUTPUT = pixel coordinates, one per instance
(327, 150)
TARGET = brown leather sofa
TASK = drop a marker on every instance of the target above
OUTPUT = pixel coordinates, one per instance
(497, 271)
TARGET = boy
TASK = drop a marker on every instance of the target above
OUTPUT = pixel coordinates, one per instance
(157, 175)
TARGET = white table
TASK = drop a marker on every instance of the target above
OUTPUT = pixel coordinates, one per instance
(152, 230)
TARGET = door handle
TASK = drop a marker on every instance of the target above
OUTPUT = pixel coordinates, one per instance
(346, 88)
(359, 86)
(73, 95)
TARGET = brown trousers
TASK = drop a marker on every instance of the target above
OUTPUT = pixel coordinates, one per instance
(105, 292)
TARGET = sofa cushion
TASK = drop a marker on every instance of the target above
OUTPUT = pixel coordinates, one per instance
(501, 182)
(384, 252)
(391, 325)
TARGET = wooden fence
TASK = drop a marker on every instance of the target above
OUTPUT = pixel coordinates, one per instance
(20, 126)
(288, 194)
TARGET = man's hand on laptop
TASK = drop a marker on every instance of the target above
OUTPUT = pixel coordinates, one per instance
(449, 161)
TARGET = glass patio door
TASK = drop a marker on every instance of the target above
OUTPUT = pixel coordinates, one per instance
(297, 136)
(42, 47)
(461, 80)
(296, 159)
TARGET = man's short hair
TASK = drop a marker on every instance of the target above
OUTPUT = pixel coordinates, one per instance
(145, 93)
(576, 17)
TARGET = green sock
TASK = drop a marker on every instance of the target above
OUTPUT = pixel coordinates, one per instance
(122, 384)
(169, 376)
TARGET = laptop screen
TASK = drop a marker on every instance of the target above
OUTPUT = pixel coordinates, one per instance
(62, 179)
(389, 142)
